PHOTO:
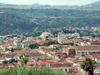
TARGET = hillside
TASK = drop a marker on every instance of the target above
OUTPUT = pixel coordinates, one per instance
(26, 20)
(92, 6)
(22, 19)
(95, 5)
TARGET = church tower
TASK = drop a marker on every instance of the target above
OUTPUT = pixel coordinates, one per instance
(59, 37)
(19, 43)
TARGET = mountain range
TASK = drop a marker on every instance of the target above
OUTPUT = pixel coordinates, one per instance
(19, 19)
(95, 5)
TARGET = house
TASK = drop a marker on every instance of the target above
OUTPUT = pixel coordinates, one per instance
(46, 34)
(61, 66)
(8, 57)
(97, 69)
(81, 50)
(96, 57)
(55, 46)
(35, 55)
(3, 61)
(62, 36)
(73, 68)
(18, 42)
(26, 44)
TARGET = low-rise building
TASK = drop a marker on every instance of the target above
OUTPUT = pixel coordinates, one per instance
(81, 50)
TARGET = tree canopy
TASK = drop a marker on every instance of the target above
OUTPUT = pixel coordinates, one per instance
(22, 70)
(34, 46)
(88, 65)
(50, 43)
(25, 21)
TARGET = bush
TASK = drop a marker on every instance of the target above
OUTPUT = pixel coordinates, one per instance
(12, 60)
(34, 46)
(21, 70)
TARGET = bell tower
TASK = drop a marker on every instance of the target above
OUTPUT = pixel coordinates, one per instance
(19, 43)
(59, 37)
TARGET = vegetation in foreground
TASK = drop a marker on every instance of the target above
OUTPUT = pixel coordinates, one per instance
(22, 70)
(88, 65)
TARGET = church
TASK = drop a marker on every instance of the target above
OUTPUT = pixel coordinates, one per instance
(62, 36)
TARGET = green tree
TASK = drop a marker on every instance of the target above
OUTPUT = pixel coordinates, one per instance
(70, 43)
(34, 46)
(22, 70)
(75, 45)
(64, 44)
(26, 55)
(88, 65)
(50, 43)
(12, 50)
(24, 59)
(12, 60)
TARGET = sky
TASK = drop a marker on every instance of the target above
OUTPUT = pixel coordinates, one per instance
(49, 2)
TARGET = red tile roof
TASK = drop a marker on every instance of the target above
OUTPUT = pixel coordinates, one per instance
(84, 47)
(58, 65)
(73, 67)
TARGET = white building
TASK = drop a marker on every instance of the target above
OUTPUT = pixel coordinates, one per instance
(62, 34)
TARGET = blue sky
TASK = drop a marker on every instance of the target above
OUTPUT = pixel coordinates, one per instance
(50, 2)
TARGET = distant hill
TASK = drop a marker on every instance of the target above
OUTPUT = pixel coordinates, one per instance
(36, 5)
(26, 20)
(1, 4)
(95, 5)
(22, 19)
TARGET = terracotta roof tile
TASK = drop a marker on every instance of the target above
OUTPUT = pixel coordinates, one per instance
(58, 65)
(73, 67)
(85, 47)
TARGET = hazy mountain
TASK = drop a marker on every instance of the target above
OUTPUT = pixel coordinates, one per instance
(25, 20)
(1, 4)
(95, 5)
(36, 5)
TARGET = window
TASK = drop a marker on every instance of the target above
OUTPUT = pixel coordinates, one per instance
(78, 52)
(66, 70)
(82, 52)
(31, 64)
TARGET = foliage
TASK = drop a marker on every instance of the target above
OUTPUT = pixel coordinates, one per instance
(50, 43)
(55, 33)
(75, 45)
(47, 39)
(72, 44)
(12, 49)
(24, 59)
(64, 44)
(26, 55)
(34, 46)
(88, 65)
(12, 60)
(67, 44)
(25, 21)
(21, 70)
